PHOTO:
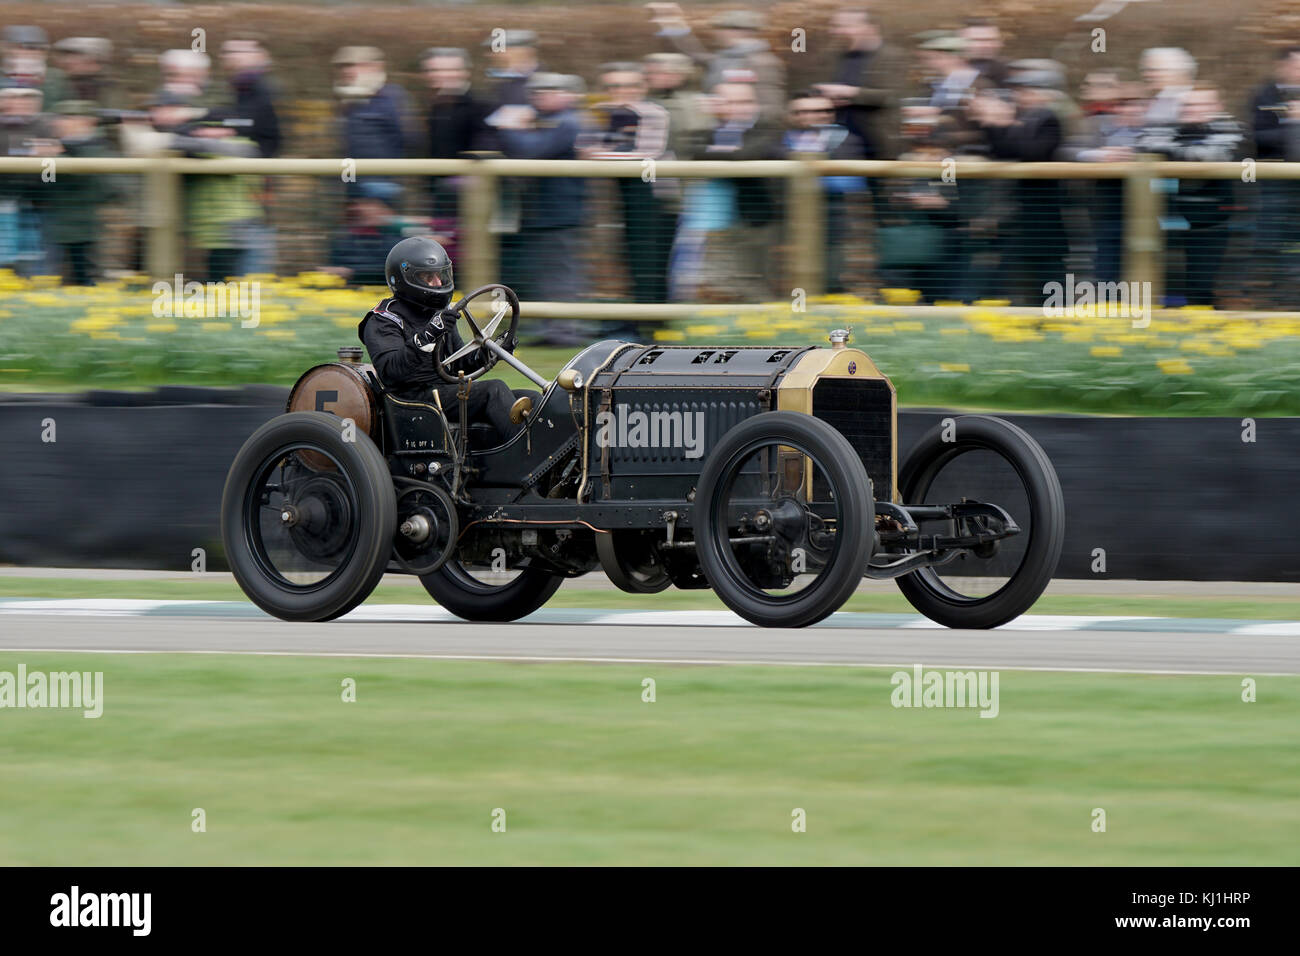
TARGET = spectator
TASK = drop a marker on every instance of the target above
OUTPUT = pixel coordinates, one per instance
(634, 128)
(741, 50)
(222, 211)
(917, 227)
(152, 134)
(219, 209)
(456, 127)
(726, 228)
(84, 61)
(812, 130)
(1275, 119)
(372, 227)
(1098, 95)
(1051, 81)
(247, 66)
(372, 110)
(1028, 130)
(952, 84)
(949, 75)
(73, 213)
(23, 132)
(184, 78)
(863, 85)
(187, 73)
(149, 134)
(1200, 210)
(668, 78)
(512, 60)
(551, 207)
(983, 43)
(984, 208)
(1108, 132)
(1169, 73)
(1275, 104)
(26, 53)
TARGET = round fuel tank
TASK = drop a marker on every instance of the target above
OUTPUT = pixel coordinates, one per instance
(341, 389)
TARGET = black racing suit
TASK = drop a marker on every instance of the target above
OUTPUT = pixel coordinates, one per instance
(408, 372)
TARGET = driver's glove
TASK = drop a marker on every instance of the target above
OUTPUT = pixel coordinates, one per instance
(426, 340)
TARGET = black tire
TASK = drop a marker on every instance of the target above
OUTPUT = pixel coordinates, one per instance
(467, 597)
(364, 477)
(852, 491)
(924, 589)
(630, 564)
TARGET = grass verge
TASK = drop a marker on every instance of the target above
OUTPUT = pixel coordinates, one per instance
(587, 773)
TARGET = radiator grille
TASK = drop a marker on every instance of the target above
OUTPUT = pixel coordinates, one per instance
(862, 411)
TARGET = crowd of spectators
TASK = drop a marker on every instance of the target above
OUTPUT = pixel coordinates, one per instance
(722, 97)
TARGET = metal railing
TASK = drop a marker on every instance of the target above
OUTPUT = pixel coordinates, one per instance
(1144, 232)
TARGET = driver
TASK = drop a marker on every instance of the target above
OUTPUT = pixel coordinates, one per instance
(402, 333)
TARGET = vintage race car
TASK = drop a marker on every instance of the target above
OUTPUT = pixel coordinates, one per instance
(767, 474)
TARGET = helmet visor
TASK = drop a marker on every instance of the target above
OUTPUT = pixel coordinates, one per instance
(439, 280)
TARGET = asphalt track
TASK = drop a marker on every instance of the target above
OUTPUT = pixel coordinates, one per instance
(1133, 645)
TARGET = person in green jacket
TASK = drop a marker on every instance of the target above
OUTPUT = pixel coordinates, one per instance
(72, 205)
(220, 209)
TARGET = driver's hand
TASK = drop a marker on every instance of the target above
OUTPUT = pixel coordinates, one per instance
(427, 339)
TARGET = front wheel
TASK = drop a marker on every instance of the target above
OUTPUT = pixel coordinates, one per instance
(307, 517)
(784, 519)
(979, 458)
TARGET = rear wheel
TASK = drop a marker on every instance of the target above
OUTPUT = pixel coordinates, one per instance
(307, 517)
(990, 460)
(478, 595)
(784, 519)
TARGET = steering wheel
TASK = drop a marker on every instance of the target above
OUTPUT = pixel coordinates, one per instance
(485, 340)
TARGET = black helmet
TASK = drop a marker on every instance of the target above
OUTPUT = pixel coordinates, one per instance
(418, 270)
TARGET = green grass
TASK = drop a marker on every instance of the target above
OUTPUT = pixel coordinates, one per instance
(589, 774)
(883, 599)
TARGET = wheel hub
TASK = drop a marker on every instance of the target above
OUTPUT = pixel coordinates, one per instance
(428, 529)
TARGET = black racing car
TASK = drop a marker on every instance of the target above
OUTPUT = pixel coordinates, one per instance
(767, 474)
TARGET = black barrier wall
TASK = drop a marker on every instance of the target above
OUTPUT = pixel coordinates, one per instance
(120, 486)
(139, 485)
